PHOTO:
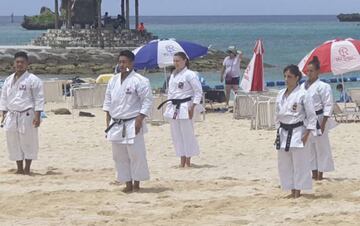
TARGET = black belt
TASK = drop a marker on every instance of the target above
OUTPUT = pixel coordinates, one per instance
(176, 102)
(319, 112)
(289, 128)
(119, 122)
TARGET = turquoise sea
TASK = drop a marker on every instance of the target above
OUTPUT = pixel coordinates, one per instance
(287, 39)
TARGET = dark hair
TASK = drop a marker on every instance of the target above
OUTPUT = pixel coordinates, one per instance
(315, 61)
(293, 69)
(128, 54)
(21, 54)
(184, 57)
(339, 86)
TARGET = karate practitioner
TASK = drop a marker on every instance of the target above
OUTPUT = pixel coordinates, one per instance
(22, 101)
(321, 94)
(295, 119)
(184, 96)
(128, 101)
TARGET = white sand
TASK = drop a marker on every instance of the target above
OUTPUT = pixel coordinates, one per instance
(233, 182)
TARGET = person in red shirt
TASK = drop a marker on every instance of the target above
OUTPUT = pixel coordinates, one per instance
(141, 27)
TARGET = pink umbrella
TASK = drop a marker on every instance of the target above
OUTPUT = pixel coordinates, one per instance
(336, 56)
(253, 79)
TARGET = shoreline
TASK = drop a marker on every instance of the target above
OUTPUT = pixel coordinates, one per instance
(91, 61)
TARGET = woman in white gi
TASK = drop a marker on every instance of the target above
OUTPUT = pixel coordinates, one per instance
(184, 96)
(295, 119)
(21, 103)
(321, 94)
(128, 101)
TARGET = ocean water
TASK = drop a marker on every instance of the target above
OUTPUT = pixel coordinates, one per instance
(287, 39)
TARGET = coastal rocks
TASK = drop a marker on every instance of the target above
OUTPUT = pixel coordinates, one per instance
(354, 17)
(46, 20)
(93, 61)
(62, 38)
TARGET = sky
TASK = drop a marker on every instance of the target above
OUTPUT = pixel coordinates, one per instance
(202, 7)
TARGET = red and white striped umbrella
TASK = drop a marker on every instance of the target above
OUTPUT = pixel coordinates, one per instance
(337, 56)
(253, 79)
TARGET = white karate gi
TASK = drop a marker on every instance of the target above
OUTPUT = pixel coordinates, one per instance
(294, 165)
(321, 157)
(182, 85)
(21, 99)
(124, 101)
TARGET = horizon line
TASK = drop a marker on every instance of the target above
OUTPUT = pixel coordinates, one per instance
(222, 15)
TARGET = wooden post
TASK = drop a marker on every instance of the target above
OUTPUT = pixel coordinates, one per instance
(68, 14)
(127, 12)
(99, 28)
(136, 14)
(56, 14)
(99, 14)
(123, 8)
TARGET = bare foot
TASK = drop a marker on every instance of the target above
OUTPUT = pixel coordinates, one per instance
(289, 196)
(20, 172)
(127, 190)
(27, 172)
(136, 186)
(188, 162)
(297, 194)
(315, 174)
(320, 176)
(182, 161)
(136, 189)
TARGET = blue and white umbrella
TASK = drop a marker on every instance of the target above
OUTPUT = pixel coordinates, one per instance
(159, 53)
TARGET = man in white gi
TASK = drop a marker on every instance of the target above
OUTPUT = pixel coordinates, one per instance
(21, 103)
(321, 94)
(295, 119)
(128, 100)
(184, 96)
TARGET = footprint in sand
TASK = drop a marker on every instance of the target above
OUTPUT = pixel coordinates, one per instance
(192, 206)
(50, 172)
(107, 213)
(163, 197)
(139, 202)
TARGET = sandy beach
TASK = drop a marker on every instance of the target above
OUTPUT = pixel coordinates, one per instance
(233, 182)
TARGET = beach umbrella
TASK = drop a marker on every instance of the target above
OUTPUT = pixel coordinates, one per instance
(337, 56)
(159, 53)
(253, 79)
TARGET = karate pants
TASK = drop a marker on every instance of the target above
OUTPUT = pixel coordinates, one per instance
(23, 145)
(130, 160)
(184, 140)
(294, 169)
(321, 157)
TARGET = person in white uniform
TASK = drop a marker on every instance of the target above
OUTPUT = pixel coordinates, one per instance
(184, 97)
(321, 94)
(21, 103)
(128, 100)
(295, 119)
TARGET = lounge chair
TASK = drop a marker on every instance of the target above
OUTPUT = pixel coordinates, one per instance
(355, 96)
(347, 113)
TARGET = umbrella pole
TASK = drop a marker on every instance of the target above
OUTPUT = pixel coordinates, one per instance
(343, 85)
(166, 81)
